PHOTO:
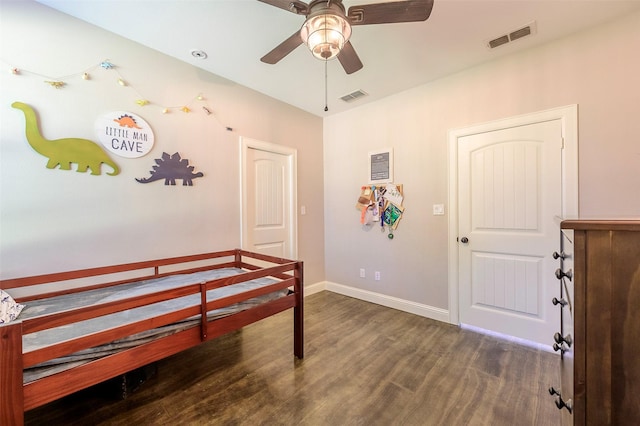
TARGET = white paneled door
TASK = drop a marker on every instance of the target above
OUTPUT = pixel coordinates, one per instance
(269, 194)
(509, 199)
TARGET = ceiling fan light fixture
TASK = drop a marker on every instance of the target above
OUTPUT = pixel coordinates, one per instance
(325, 34)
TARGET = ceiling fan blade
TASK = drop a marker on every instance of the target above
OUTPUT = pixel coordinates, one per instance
(297, 7)
(283, 49)
(349, 59)
(391, 12)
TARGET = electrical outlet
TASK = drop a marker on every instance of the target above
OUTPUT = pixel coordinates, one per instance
(362, 274)
(377, 275)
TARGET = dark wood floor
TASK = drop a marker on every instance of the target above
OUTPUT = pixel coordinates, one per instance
(364, 365)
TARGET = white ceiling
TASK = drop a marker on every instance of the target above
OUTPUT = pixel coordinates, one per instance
(235, 34)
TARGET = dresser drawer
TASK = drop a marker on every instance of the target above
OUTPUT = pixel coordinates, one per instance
(566, 265)
(562, 390)
(567, 327)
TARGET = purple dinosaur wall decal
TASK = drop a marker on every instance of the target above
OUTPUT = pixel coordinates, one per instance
(170, 168)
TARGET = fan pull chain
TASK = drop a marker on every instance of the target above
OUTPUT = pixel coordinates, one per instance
(326, 107)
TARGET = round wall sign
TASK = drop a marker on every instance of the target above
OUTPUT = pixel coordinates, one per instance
(125, 134)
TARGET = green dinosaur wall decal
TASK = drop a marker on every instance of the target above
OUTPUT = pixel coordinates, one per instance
(87, 154)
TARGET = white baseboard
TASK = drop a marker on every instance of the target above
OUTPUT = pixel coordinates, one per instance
(314, 288)
(426, 311)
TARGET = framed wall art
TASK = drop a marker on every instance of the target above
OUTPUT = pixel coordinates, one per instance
(381, 166)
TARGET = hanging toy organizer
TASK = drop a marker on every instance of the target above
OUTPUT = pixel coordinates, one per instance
(381, 205)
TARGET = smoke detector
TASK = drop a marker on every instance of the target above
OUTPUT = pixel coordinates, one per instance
(200, 54)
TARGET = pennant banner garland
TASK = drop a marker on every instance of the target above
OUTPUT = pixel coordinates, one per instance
(106, 65)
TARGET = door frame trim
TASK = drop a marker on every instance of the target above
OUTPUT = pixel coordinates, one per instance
(292, 154)
(569, 163)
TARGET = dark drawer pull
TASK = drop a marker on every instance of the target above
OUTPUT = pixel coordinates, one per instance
(561, 403)
(560, 339)
(568, 404)
(560, 302)
(560, 255)
(560, 274)
(559, 347)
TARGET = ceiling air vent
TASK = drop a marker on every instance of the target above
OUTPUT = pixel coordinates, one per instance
(498, 41)
(522, 32)
(514, 35)
(354, 96)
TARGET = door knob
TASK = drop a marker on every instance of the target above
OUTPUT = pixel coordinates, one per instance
(464, 240)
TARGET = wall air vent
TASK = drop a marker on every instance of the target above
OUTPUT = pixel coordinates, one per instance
(354, 96)
(514, 35)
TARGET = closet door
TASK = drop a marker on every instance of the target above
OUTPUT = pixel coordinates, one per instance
(269, 212)
(509, 195)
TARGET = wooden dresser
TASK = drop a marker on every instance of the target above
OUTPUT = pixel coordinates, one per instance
(599, 336)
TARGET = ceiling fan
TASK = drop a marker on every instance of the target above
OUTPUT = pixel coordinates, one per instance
(327, 28)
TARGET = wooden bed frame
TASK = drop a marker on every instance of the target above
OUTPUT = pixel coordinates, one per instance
(16, 397)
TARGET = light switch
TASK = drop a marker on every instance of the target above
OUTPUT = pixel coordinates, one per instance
(303, 210)
(438, 209)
